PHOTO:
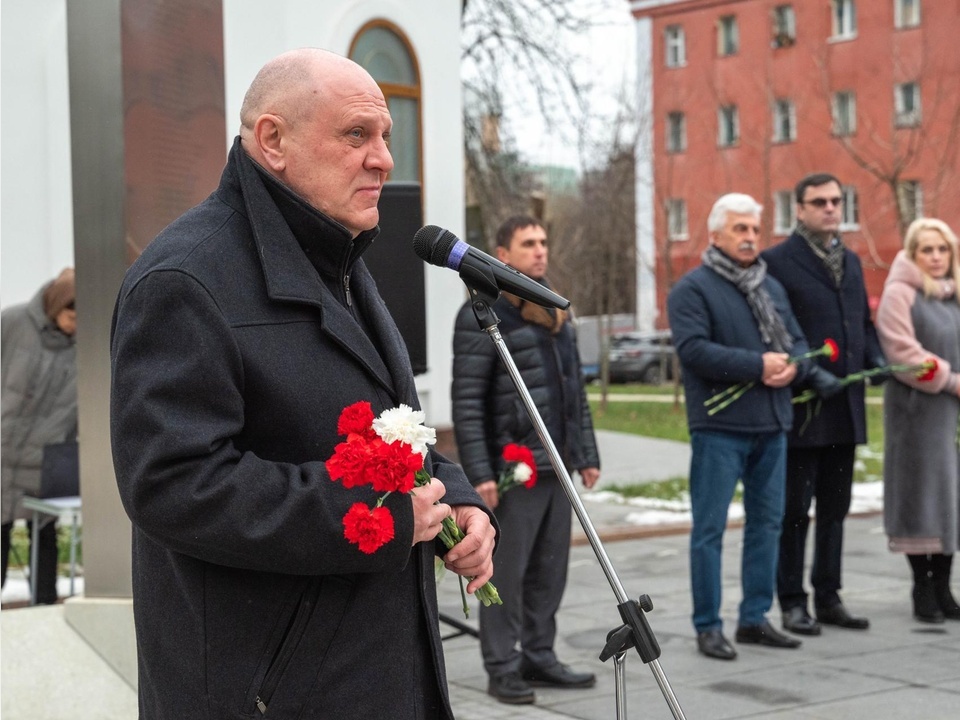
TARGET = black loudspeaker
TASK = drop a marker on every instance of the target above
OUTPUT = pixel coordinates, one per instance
(397, 269)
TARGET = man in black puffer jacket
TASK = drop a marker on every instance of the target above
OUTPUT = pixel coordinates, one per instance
(531, 569)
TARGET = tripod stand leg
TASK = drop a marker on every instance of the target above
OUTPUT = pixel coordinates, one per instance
(620, 679)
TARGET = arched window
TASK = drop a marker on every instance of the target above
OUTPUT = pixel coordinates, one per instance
(384, 51)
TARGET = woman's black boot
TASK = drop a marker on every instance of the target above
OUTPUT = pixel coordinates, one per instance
(925, 606)
(940, 566)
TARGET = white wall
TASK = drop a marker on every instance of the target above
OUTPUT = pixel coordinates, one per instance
(36, 215)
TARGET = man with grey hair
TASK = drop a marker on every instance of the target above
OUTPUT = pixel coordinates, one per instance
(733, 328)
(239, 337)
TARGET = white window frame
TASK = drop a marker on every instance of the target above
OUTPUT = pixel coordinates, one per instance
(850, 211)
(728, 36)
(784, 116)
(676, 141)
(848, 126)
(677, 228)
(844, 14)
(784, 212)
(728, 118)
(784, 26)
(906, 13)
(911, 190)
(674, 46)
(906, 100)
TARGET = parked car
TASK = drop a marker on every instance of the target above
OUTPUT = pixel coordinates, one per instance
(641, 357)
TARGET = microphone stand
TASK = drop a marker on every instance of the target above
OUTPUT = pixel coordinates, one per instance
(635, 631)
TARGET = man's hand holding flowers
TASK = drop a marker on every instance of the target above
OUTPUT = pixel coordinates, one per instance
(779, 370)
(387, 453)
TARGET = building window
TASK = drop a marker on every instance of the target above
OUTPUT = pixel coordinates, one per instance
(676, 132)
(784, 212)
(728, 130)
(844, 19)
(906, 13)
(677, 219)
(851, 210)
(910, 200)
(844, 113)
(907, 104)
(784, 26)
(675, 46)
(383, 50)
(728, 37)
(784, 121)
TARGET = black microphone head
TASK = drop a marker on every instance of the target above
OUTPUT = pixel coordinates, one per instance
(432, 244)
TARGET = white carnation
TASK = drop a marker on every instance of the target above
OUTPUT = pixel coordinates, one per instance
(405, 424)
(522, 472)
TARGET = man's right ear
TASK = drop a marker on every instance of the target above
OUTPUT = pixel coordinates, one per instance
(268, 134)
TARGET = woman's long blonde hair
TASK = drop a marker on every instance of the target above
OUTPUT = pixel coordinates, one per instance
(912, 240)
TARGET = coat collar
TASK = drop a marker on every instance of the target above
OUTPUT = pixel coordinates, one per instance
(290, 277)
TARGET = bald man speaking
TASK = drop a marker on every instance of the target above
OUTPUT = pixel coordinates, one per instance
(239, 336)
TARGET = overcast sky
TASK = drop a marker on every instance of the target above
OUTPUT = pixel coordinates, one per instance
(609, 64)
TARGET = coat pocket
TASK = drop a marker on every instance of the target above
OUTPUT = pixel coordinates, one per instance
(287, 673)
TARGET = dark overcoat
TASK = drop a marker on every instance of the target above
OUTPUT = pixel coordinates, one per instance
(827, 311)
(231, 362)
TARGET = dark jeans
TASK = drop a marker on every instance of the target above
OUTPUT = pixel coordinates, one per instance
(46, 559)
(827, 474)
(719, 460)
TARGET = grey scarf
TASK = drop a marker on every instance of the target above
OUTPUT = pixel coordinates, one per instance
(830, 252)
(749, 281)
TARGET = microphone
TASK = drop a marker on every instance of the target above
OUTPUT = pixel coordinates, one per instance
(441, 247)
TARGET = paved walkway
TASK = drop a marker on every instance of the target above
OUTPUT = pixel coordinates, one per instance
(898, 669)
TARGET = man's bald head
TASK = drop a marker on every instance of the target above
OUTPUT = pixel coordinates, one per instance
(319, 123)
(290, 85)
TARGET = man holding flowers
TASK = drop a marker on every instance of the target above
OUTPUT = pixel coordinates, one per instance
(241, 335)
(732, 326)
(824, 283)
(496, 438)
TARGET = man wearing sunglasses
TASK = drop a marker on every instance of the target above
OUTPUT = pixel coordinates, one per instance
(824, 282)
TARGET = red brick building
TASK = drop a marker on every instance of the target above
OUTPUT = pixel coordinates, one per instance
(751, 95)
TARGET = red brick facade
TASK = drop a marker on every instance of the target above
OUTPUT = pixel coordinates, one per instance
(868, 90)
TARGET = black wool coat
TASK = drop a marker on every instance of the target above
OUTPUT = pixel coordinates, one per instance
(232, 360)
(827, 311)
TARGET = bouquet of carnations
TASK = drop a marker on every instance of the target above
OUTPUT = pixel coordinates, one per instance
(724, 398)
(387, 453)
(520, 468)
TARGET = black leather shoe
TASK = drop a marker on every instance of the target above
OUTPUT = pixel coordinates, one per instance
(797, 620)
(511, 689)
(765, 634)
(838, 615)
(558, 675)
(713, 644)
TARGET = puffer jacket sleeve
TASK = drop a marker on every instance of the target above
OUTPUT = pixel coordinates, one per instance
(474, 365)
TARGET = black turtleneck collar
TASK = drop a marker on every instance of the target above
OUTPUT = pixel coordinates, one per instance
(326, 243)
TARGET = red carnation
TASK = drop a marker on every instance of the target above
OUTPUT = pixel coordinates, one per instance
(369, 529)
(833, 350)
(393, 467)
(931, 366)
(349, 462)
(356, 418)
(514, 453)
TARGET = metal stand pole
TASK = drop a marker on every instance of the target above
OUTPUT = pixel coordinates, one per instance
(635, 632)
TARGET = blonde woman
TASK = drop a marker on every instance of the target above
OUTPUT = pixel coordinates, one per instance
(919, 319)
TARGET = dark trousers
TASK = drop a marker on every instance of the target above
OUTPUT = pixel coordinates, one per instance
(825, 473)
(530, 573)
(46, 559)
